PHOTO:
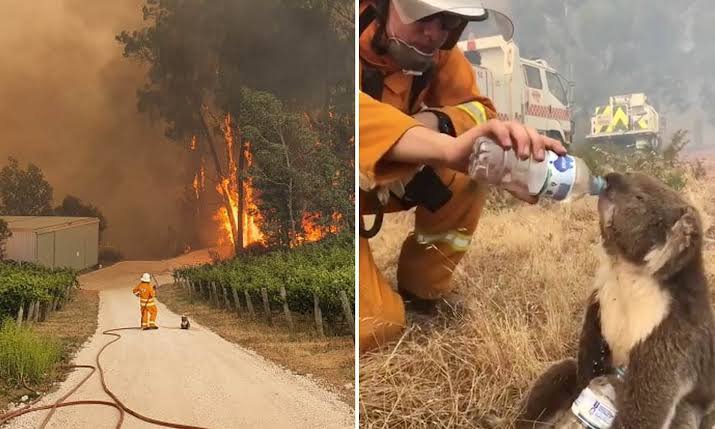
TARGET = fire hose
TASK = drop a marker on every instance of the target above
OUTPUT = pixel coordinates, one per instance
(118, 404)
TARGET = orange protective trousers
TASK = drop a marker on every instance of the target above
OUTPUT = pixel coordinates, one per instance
(427, 260)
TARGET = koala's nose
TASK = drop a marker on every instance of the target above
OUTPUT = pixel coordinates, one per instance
(613, 180)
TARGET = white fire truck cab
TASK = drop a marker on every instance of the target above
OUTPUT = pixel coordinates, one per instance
(528, 91)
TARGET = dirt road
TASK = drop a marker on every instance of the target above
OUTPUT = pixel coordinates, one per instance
(191, 377)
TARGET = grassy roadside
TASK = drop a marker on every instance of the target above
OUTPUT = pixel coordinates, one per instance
(330, 360)
(68, 328)
(525, 279)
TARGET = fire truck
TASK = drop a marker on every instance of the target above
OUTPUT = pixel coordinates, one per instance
(627, 121)
(526, 90)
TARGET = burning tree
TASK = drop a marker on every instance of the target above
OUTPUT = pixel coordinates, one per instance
(279, 184)
(239, 217)
(296, 174)
(201, 56)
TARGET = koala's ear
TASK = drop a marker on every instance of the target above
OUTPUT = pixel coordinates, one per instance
(681, 245)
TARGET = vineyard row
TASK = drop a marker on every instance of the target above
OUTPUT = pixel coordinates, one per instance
(28, 292)
(230, 299)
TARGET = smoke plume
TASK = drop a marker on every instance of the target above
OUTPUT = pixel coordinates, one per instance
(69, 106)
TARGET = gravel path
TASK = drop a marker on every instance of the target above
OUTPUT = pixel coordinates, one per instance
(191, 377)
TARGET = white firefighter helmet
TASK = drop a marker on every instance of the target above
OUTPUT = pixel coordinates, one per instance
(414, 10)
(146, 278)
(469, 11)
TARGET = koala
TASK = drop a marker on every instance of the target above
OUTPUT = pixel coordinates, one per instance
(184, 322)
(649, 312)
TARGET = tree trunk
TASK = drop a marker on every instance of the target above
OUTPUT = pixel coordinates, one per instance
(241, 190)
(217, 163)
(292, 225)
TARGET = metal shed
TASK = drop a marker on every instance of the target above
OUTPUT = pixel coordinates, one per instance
(53, 241)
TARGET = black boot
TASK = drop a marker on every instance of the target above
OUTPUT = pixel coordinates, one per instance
(421, 306)
(423, 310)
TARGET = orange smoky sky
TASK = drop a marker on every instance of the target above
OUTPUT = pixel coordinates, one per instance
(69, 106)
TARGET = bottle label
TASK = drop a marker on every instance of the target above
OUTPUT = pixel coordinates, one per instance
(594, 411)
(560, 176)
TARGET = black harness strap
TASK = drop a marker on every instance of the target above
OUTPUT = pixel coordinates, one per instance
(377, 224)
(366, 18)
(419, 83)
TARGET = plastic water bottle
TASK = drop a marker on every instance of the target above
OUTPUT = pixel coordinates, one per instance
(558, 177)
(595, 407)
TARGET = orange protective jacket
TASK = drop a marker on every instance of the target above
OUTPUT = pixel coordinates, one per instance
(145, 292)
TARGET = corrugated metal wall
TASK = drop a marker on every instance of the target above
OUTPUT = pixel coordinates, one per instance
(74, 247)
(69, 248)
(46, 249)
(91, 251)
(21, 246)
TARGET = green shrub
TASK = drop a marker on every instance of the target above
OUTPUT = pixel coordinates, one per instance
(324, 269)
(22, 283)
(25, 355)
(664, 164)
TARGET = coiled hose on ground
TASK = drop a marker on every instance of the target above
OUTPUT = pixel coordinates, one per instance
(118, 404)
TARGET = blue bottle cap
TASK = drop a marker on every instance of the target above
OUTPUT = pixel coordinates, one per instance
(598, 184)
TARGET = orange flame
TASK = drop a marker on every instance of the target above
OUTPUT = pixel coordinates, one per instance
(313, 231)
(195, 185)
(199, 182)
(250, 218)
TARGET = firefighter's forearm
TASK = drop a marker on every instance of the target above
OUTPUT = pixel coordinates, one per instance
(420, 145)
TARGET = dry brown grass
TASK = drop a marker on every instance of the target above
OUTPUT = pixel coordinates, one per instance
(71, 327)
(330, 360)
(526, 278)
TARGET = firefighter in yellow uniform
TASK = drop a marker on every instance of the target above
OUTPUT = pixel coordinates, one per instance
(146, 293)
(420, 113)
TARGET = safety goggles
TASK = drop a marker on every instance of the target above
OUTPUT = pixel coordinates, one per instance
(449, 21)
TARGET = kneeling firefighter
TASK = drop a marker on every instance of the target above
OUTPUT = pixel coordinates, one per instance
(420, 113)
(146, 293)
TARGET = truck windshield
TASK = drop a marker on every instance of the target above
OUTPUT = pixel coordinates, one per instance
(556, 87)
(496, 24)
